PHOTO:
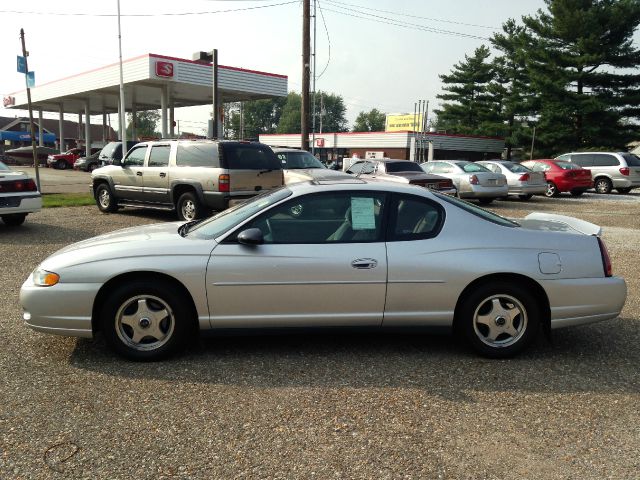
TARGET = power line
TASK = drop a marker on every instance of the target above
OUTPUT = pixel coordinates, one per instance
(176, 14)
(328, 41)
(402, 24)
(413, 15)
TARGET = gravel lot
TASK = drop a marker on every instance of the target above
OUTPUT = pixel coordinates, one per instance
(320, 406)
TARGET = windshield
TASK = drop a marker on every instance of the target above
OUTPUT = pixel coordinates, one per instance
(477, 211)
(393, 167)
(298, 160)
(471, 167)
(227, 219)
(516, 167)
(108, 150)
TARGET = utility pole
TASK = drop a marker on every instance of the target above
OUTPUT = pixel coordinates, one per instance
(313, 113)
(25, 54)
(321, 109)
(216, 99)
(306, 48)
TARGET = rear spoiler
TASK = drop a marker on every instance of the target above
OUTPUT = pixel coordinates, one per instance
(576, 224)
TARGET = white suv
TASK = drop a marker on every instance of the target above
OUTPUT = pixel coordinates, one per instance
(609, 170)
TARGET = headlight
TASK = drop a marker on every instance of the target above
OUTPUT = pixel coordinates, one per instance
(43, 278)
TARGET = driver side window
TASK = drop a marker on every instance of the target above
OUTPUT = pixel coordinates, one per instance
(135, 158)
(350, 217)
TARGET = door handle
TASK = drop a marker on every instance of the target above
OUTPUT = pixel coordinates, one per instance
(139, 174)
(162, 174)
(364, 263)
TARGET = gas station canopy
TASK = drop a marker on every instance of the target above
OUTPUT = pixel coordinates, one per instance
(151, 82)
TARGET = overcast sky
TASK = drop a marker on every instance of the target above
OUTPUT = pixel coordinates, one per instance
(372, 62)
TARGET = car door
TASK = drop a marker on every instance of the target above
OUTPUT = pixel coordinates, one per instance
(416, 289)
(156, 174)
(128, 181)
(322, 263)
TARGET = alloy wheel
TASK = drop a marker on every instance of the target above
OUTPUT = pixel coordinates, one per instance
(145, 322)
(500, 320)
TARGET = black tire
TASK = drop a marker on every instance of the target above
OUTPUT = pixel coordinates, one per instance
(624, 191)
(91, 167)
(14, 220)
(189, 207)
(528, 196)
(61, 165)
(577, 193)
(105, 200)
(515, 319)
(147, 320)
(486, 201)
(552, 190)
(603, 185)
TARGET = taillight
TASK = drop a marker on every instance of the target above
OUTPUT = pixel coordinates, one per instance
(624, 171)
(446, 184)
(606, 260)
(524, 177)
(473, 180)
(223, 182)
(14, 186)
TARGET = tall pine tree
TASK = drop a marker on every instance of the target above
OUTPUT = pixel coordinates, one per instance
(580, 61)
(468, 107)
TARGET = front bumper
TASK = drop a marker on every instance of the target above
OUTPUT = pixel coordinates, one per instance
(581, 301)
(64, 309)
(20, 203)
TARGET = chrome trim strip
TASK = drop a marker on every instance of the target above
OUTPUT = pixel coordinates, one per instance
(328, 282)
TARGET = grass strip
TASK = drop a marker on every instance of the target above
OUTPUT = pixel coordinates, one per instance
(51, 200)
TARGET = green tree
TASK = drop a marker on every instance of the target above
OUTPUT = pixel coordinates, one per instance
(331, 112)
(146, 124)
(291, 114)
(510, 89)
(371, 121)
(468, 106)
(580, 60)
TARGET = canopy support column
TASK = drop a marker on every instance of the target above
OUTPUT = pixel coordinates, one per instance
(40, 131)
(163, 107)
(61, 128)
(87, 129)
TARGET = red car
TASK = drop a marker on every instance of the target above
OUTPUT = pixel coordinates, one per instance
(68, 158)
(562, 176)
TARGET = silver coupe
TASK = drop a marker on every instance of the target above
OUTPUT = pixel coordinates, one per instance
(346, 253)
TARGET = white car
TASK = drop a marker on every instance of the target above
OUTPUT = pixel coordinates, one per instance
(19, 196)
(471, 179)
(522, 181)
(375, 255)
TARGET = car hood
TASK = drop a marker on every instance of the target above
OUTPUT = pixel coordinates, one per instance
(305, 174)
(551, 222)
(149, 240)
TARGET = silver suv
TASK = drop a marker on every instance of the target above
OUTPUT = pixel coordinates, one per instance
(609, 170)
(191, 177)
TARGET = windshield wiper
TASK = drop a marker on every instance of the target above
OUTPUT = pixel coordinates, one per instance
(183, 229)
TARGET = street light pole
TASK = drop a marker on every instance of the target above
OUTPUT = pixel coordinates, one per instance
(36, 163)
(123, 113)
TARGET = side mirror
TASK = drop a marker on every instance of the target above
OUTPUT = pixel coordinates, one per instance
(116, 161)
(251, 236)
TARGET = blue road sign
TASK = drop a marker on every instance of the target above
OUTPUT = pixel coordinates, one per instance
(31, 79)
(22, 68)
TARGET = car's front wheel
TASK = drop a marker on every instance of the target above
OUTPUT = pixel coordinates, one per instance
(499, 319)
(189, 207)
(603, 185)
(105, 200)
(146, 321)
(552, 190)
(14, 219)
(61, 164)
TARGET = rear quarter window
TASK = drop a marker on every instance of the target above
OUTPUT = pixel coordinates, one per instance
(246, 156)
(197, 155)
(632, 160)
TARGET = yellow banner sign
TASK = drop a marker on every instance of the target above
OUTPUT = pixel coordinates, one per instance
(403, 122)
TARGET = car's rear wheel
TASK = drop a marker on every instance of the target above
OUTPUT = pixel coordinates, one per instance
(146, 321)
(105, 200)
(577, 193)
(14, 219)
(61, 164)
(552, 190)
(499, 319)
(486, 201)
(189, 207)
(92, 167)
(525, 197)
(624, 191)
(603, 185)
